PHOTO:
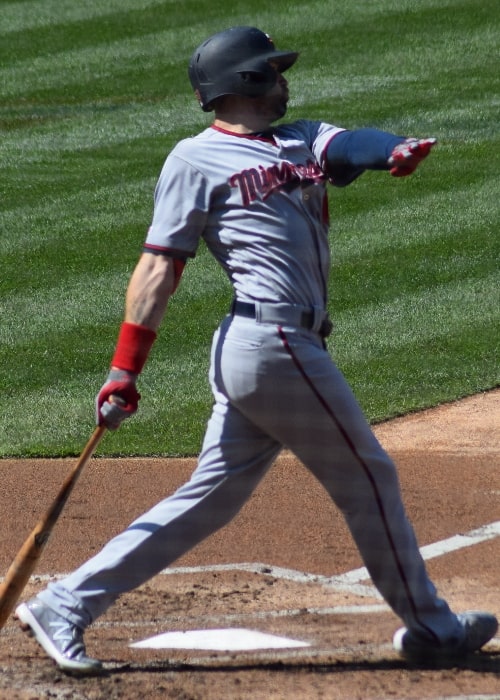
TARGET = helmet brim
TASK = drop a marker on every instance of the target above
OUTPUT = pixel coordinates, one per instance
(283, 60)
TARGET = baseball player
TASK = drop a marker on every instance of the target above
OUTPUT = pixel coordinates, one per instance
(257, 195)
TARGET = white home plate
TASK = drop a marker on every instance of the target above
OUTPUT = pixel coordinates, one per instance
(218, 640)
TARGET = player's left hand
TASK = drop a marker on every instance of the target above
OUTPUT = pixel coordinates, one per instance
(117, 400)
(406, 156)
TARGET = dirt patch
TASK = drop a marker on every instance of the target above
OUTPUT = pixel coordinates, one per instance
(467, 426)
(448, 459)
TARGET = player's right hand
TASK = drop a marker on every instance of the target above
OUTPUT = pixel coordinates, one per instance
(406, 156)
(117, 400)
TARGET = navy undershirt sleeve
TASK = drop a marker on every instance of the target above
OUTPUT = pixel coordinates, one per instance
(350, 153)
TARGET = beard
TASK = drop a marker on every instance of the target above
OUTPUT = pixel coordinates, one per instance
(273, 107)
(280, 108)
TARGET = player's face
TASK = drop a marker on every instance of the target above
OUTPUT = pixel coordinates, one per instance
(274, 102)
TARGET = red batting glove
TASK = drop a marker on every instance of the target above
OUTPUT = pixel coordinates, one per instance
(117, 400)
(406, 156)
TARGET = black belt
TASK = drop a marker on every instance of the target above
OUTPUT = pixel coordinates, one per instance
(306, 320)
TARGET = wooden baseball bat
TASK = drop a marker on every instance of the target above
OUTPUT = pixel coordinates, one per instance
(25, 561)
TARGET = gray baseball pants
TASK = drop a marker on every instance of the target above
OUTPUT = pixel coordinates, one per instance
(274, 386)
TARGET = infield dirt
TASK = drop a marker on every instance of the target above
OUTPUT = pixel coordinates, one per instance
(449, 464)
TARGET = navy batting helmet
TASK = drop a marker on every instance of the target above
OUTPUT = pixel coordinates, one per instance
(237, 61)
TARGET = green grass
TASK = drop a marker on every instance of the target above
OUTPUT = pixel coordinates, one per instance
(94, 95)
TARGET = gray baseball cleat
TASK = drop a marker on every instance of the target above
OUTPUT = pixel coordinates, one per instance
(477, 629)
(61, 639)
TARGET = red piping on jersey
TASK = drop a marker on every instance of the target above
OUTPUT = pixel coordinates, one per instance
(253, 137)
(169, 252)
(364, 466)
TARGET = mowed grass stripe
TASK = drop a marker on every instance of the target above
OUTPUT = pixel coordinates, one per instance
(107, 57)
(362, 356)
(36, 15)
(55, 14)
(362, 100)
(443, 369)
(72, 72)
(43, 312)
(44, 129)
(99, 209)
(95, 97)
(66, 128)
(86, 170)
(417, 220)
(405, 218)
(417, 318)
(373, 267)
(82, 31)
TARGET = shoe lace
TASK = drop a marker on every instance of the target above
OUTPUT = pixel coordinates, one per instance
(69, 638)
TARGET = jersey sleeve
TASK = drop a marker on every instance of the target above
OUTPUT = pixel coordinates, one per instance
(317, 135)
(352, 152)
(181, 204)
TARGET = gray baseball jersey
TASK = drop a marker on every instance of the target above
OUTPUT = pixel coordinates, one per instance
(240, 193)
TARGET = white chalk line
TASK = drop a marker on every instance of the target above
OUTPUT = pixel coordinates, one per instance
(350, 581)
(344, 582)
(430, 551)
(281, 573)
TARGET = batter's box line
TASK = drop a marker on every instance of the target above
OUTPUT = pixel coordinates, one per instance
(438, 549)
(278, 572)
(350, 581)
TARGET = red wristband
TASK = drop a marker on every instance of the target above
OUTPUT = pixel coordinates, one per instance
(132, 347)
